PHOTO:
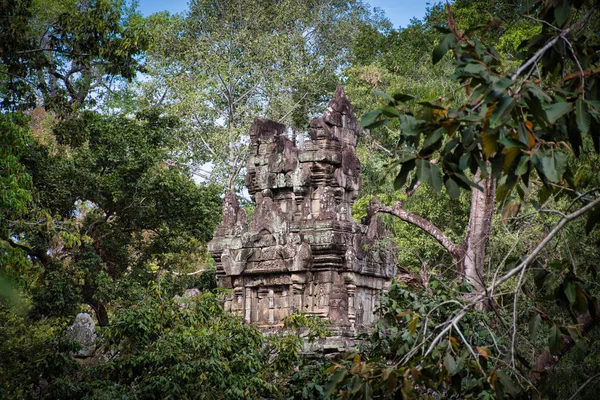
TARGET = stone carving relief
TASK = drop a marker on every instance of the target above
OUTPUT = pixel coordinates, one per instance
(301, 249)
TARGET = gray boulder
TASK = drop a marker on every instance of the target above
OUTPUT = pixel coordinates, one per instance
(83, 331)
(189, 295)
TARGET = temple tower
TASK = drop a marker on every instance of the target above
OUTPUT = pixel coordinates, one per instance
(302, 249)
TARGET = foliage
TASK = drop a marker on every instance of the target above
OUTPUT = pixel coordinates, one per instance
(34, 352)
(472, 361)
(98, 210)
(517, 125)
(387, 366)
(58, 52)
(108, 202)
(226, 62)
(286, 350)
(186, 348)
(15, 189)
(514, 124)
(167, 347)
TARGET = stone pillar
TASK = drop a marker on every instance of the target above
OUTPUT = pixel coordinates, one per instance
(351, 305)
(248, 305)
(271, 299)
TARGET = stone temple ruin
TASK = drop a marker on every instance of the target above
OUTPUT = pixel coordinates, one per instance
(301, 249)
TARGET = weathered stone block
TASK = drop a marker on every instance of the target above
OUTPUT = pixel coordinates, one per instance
(83, 331)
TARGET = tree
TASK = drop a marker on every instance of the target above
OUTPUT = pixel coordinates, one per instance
(57, 53)
(225, 62)
(15, 186)
(108, 201)
(521, 131)
(485, 123)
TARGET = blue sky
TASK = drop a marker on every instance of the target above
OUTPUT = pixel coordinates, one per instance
(400, 12)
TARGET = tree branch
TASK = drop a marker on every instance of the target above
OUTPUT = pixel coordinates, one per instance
(552, 42)
(43, 257)
(54, 50)
(584, 385)
(516, 270)
(457, 251)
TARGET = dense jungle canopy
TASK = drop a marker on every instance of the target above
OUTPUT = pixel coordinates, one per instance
(120, 134)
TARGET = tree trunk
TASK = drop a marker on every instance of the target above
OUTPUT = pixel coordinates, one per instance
(478, 231)
(455, 250)
(101, 314)
(470, 255)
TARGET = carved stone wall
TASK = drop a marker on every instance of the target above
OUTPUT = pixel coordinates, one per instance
(302, 249)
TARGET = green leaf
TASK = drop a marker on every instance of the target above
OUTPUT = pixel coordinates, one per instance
(523, 165)
(446, 43)
(534, 326)
(549, 168)
(463, 162)
(406, 157)
(449, 146)
(511, 143)
(502, 83)
(379, 123)
(536, 160)
(558, 265)
(433, 137)
(502, 111)
(390, 111)
(356, 384)
(335, 379)
(554, 340)
(409, 125)
(423, 170)
(384, 95)
(474, 68)
(431, 105)
(452, 188)
(403, 97)
(593, 219)
(569, 291)
(450, 364)
(582, 116)
(562, 12)
(551, 164)
(400, 180)
(595, 106)
(508, 384)
(369, 118)
(436, 178)
(535, 90)
(560, 162)
(574, 333)
(467, 181)
(558, 110)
